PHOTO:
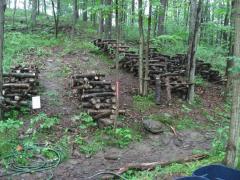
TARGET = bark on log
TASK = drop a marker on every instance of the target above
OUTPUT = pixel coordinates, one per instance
(105, 94)
(13, 85)
(152, 165)
(20, 75)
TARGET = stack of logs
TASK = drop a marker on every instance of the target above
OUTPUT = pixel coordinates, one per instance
(20, 84)
(98, 96)
(158, 63)
(170, 69)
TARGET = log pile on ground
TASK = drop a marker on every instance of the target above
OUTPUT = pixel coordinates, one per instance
(169, 71)
(98, 96)
(158, 64)
(20, 84)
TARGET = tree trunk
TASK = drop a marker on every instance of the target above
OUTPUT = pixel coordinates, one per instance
(161, 17)
(25, 12)
(85, 13)
(45, 7)
(226, 23)
(38, 7)
(155, 21)
(133, 12)
(146, 77)
(141, 46)
(75, 14)
(230, 61)
(101, 20)
(56, 16)
(75, 11)
(193, 38)
(34, 13)
(2, 10)
(108, 25)
(232, 154)
(14, 11)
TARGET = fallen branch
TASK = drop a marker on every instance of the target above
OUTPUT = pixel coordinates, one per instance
(152, 165)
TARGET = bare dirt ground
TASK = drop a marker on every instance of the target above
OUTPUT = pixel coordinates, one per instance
(57, 100)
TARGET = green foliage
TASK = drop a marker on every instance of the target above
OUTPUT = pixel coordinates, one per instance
(214, 55)
(143, 103)
(17, 44)
(8, 134)
(120, 137)
(43, 121)
(181, 123)
(10, 125)
(86, 120)
(100, 139)
(220, 141)
(90, 147)
(169, 44)
(164, 118)
(186, 122)
(74, 46)
(199, 81)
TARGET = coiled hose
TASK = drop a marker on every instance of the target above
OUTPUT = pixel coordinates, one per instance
(43, 166)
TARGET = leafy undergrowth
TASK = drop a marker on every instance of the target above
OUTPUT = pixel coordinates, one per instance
(101, 138)
(143, 103)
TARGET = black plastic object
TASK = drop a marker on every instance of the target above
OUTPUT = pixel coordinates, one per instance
(192, 178)
(217, 172)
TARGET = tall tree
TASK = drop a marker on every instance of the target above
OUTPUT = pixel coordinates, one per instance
(34, 13)
(141, 46)
(2, 10)
(25, 11)
(232, 154)
(133, 12)
(45, 7)
(161, 17)
(193, 39)
(108, 23)
(56, 16)
(75, 14)
(38, 7)
(75, 11)
(85, 13)
(14, 11)
(101, 19)
(146, 70)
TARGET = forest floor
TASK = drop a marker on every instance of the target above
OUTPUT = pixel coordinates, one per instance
(194, 132)
(91, 150)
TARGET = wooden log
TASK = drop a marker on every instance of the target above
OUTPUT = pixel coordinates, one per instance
(95, 76)
(152, 165)
(168, 89)
(20, 75)
(102, 115)
(95, 112)
(100, 83)
(14, 85)
(158, 90)
(104, 94)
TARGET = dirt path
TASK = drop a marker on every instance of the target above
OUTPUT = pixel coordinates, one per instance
(152, 148)
(57, 100)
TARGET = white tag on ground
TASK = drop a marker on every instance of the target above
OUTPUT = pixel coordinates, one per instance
(36, 102)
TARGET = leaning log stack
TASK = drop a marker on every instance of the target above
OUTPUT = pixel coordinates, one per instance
(20, 84)
(169, 70)
(97, 96)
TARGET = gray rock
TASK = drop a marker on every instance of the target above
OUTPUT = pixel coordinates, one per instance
(154, 127)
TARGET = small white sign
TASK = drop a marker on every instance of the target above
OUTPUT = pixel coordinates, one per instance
(36, 102)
